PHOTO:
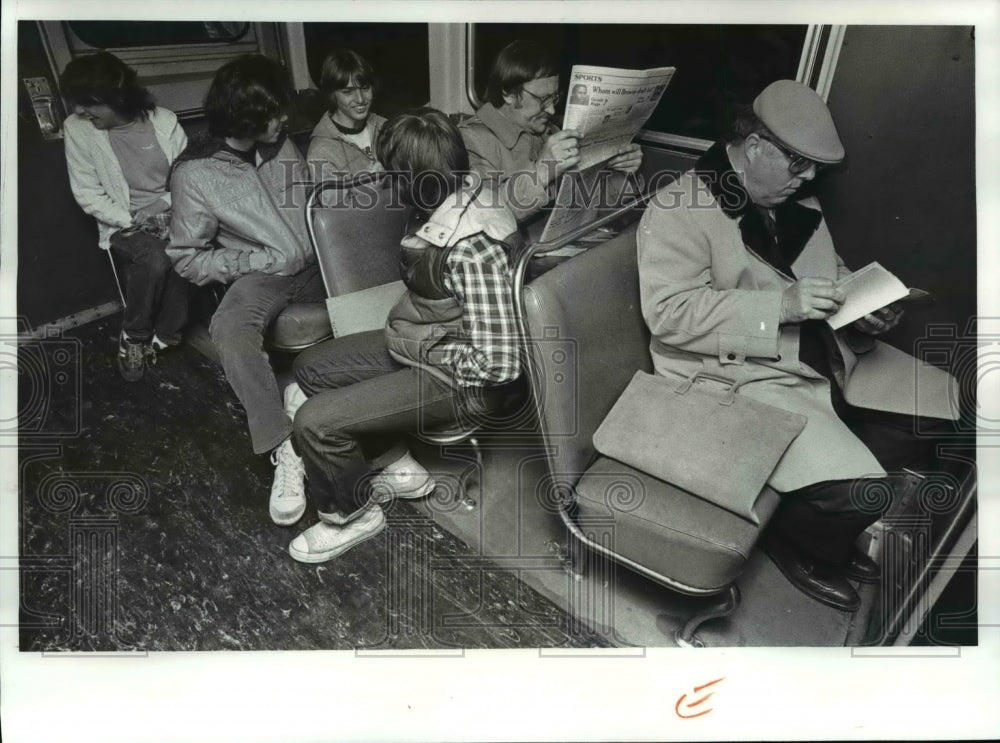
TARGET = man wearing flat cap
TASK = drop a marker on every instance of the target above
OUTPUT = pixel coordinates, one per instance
(737, 277)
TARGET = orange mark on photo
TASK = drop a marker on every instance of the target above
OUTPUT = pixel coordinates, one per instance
(695, 702)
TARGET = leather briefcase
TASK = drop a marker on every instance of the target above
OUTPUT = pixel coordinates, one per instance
(710, 441)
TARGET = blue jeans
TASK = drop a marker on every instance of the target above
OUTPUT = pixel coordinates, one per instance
(360, 402)
(156, 298)
(250, 305)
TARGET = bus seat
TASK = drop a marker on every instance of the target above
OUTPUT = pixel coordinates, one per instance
(299, 326)
(118, 281)
(586, 338)
(356, 247)
(355, 227)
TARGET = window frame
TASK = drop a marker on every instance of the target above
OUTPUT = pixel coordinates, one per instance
(166, 63)
(78, 41)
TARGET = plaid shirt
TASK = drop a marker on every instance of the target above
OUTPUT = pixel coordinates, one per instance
(480, 278)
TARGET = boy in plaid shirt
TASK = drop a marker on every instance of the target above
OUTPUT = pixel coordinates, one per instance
(449, 348)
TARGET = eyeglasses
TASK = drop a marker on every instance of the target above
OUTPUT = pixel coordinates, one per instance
(549, 100)
(797, 164)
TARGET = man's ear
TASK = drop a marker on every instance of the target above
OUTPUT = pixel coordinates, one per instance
(752, 146)
(512, 99)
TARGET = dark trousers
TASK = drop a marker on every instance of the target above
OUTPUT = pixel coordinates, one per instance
(824, 520)
(156, 298)
(251, 304)
(360, 402)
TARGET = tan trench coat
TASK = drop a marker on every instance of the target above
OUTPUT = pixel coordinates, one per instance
(712, 305)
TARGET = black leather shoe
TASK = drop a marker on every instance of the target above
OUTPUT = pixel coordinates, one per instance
(863, 569)
(821, 583)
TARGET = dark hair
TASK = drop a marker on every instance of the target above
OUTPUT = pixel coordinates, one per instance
(426, 152)
(517, 63)
(747, 123)
(341, 68)
(245, 95)
(102, 78)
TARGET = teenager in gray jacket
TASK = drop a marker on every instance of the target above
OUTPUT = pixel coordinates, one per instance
(238, 219)
(343, 143)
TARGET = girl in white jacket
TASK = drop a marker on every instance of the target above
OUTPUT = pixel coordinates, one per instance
(119, 149)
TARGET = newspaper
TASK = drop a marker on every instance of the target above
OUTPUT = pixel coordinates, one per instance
(867, 290)
(584, 195)
(608, 107)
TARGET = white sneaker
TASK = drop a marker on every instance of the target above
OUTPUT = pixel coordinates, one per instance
(322, 541)
(404, 478)
(157, 344)
(294, 397)
(288, 492)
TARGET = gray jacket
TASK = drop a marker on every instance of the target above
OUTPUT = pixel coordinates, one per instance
(231, 218)
(333, 155)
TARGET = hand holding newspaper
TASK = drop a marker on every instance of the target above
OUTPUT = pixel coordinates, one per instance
(608, 107)
(868, 289)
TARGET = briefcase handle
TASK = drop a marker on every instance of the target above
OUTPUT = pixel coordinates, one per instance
(728, 399)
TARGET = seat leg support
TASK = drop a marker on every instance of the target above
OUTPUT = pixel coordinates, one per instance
(471, 477)
(118, 282)
(685, 636)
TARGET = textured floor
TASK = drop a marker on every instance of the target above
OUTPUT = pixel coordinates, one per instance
(144, 527)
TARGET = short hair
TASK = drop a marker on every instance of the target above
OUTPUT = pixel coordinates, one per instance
(341, 68)
(425, 151)
(102, 78)
(245, 95)
(517, 63)
(747, 123)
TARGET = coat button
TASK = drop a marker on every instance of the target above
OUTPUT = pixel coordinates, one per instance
(731, 356)
(779, 357)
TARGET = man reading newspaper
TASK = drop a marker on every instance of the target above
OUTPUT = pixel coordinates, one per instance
(513, 141)
(738, 273)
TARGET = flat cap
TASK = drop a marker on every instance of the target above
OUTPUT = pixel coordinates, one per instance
(800, 120)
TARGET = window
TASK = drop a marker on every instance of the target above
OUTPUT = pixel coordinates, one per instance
(175, 60)
(718, 67)
(398, 52)
(124, 34)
